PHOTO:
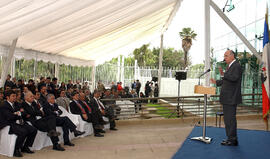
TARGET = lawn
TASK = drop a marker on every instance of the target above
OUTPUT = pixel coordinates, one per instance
(163, 111)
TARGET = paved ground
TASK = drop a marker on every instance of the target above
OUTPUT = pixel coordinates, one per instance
(140, 139)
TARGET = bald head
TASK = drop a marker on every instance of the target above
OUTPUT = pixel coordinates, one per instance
(229, 56)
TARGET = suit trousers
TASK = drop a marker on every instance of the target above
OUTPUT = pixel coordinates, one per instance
(230, 121)
(67, 125)
(25, 134)
(109, 112)
(47, 124)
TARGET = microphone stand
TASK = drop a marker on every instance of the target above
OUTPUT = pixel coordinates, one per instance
(203, 138)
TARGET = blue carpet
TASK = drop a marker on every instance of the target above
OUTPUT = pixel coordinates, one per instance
(253, 144)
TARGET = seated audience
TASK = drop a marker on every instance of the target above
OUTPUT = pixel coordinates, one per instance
(44, 124)
(85, 111)
(12, 116)
(51, 108)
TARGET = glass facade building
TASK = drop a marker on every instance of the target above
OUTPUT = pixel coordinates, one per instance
(248, 16)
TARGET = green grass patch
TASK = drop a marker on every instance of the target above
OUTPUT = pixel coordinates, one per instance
(162, 110)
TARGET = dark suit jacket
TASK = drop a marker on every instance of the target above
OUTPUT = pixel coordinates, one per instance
(230, 93)
(7, 117)
(94, 106)
(42, 100)
(32, 110)
(50, 110)
(74, 108)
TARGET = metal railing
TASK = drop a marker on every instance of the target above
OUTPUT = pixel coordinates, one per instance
(189, 106)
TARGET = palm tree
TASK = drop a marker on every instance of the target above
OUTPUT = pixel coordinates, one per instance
(187, 35)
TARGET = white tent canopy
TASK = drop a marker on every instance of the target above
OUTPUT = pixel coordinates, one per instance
(78, 31)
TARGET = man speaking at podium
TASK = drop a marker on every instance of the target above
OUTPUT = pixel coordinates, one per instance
(230, 95)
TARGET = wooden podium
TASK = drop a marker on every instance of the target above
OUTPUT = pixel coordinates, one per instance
(198, 89)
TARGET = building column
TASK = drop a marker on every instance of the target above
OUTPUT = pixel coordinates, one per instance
(6, 66)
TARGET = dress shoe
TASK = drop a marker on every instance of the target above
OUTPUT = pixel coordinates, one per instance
(58, 147)
(102, 131)
(229, 143)
(78, 133)
(69, 144)
(98, 135)
(17, 153)
(26, 150)
(114, 129)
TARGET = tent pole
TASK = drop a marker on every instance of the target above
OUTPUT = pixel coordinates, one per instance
(235, 30)
(56, 70)
(93, 77)
(7, 63)
(35, 69)
(118, 69)
(123, 71)
(160, 62)
(207, 40)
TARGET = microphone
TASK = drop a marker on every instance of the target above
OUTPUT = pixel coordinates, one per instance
(205, 72)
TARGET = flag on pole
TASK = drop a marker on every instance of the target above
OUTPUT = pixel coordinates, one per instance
(265, 69)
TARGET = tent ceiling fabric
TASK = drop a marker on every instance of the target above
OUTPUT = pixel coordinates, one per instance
(82, 29)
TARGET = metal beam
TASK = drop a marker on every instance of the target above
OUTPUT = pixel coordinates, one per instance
(235, 29)
(169, 20)
(6, 66)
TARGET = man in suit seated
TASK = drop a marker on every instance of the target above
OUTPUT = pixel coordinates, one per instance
(85, 111)
(51, 108)
(62, 100)
(109, 109)
(43, 93)
(44, 124)
(99, 108)
(13, 117)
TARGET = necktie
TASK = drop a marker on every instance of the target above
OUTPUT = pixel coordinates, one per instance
(38, 105)
(79, 105)
(87, 106)
(100, 105)
(227, 68)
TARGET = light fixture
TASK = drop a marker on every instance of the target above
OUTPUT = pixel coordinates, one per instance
(231, 6)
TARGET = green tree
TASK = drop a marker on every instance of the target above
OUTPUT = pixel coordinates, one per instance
(187, 35)
(144, 56)
(171, 57)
